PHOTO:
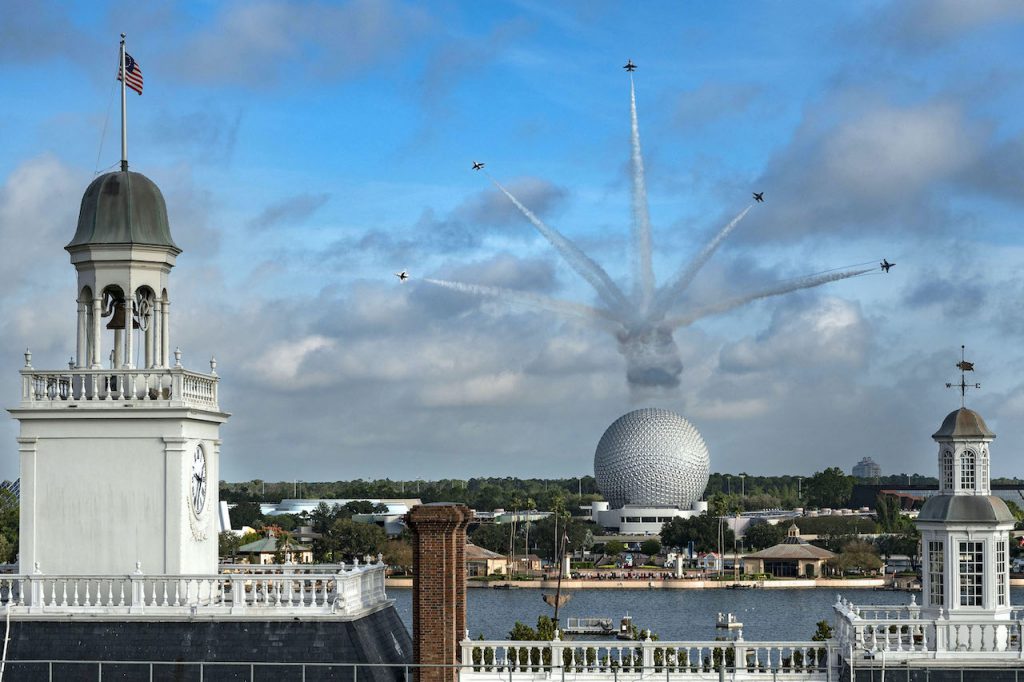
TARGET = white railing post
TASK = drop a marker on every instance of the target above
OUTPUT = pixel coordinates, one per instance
(647, 650)
(138, 583)
(556, 647)
(36, 597)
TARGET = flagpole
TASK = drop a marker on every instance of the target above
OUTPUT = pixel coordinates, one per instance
(124, 113)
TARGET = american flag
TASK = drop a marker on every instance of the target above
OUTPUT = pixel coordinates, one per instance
(131, 67)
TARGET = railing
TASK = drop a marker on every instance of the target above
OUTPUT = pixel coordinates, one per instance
(170, 386)
(350, 591)
(899, 632)
(494, 661)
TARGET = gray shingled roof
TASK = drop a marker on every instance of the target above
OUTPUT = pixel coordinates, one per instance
(963, 423)
(788, 549)
(123, 208)
(965, 508)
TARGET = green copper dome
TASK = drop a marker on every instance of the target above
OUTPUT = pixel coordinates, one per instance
(123, 208)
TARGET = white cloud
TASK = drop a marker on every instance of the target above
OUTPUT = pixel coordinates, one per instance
(282, 362)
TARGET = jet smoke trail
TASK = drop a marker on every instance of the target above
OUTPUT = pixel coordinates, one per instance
(643, 270)
(584, 266)
(553, 305)
(667, 294)
(777, 290)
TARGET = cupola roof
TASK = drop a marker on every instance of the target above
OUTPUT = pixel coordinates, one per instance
(123, 207)
(963, 423)
(965, 509)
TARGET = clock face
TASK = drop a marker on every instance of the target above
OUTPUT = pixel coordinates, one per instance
(199, 475)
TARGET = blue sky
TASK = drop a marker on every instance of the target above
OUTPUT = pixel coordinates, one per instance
(309, 150)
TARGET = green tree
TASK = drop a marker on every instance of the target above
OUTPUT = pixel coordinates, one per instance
(228, 544)
(702, 530)
(829, 488)
(9, 514)
(650, 547)
(398, 552)
(356, 539)
(544, 535)
(247, 514)
(492, 536)
(889, 516)
(763, 535)
(614, 548)
(857, 556)
(823, 633)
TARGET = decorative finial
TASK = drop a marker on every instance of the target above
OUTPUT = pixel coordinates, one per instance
(35, 568)
(177, 357)
(213, 365)
(964, 367)
(28, 359)
(138, 568)
(71, 362)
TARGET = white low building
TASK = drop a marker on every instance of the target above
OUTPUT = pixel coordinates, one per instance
(635, 519)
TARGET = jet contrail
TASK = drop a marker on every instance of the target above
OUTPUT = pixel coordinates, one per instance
(667, 294)
(640, 321)
(643, 270)
(547, 303)
(584, 266)
(777, 290)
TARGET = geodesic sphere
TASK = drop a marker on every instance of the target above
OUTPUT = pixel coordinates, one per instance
(651, 457)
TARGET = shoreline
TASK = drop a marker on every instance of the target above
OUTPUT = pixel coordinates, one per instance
(660, 584)
(672, 584)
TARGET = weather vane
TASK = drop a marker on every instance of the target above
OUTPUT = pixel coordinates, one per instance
(964, 367)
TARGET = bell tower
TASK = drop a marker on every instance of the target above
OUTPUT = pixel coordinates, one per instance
(964, 528)
(120, 451)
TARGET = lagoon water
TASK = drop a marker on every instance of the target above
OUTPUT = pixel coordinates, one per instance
(766, 614)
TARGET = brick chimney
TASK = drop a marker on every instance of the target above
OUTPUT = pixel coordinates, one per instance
(439, 587)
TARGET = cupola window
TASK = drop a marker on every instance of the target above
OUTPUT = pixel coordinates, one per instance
(967, 478)
(972, 573)
(947, 470)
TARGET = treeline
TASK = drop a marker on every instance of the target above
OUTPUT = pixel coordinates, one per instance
(740, 491)
(544, 494)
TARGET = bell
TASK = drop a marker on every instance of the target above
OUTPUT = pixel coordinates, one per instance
(117, 318)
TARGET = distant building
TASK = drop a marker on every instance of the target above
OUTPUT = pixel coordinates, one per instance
(483, 562)
(266, 551)
(867, 468)
(794, 557)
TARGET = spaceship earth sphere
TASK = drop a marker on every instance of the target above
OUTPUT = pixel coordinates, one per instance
(651, 457)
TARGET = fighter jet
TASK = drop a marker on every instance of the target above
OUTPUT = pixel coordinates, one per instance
(402, 276)
(886, 265)
(630, 66)
(759, 197)
(477, 165)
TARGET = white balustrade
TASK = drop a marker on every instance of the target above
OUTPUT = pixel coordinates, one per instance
(491, 661)
(309, 590)
(902, 634)
(172, 386)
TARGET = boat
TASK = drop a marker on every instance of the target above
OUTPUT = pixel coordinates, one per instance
(505, 586)
(727, 621)
(625, 628)
(589, 626)
(739, 586)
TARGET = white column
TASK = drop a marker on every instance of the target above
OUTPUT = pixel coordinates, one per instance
(165, 332)
(81, 344)
(129, 309)
(97, 311)
(158, 332)
(150, 331)
(118, 355)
